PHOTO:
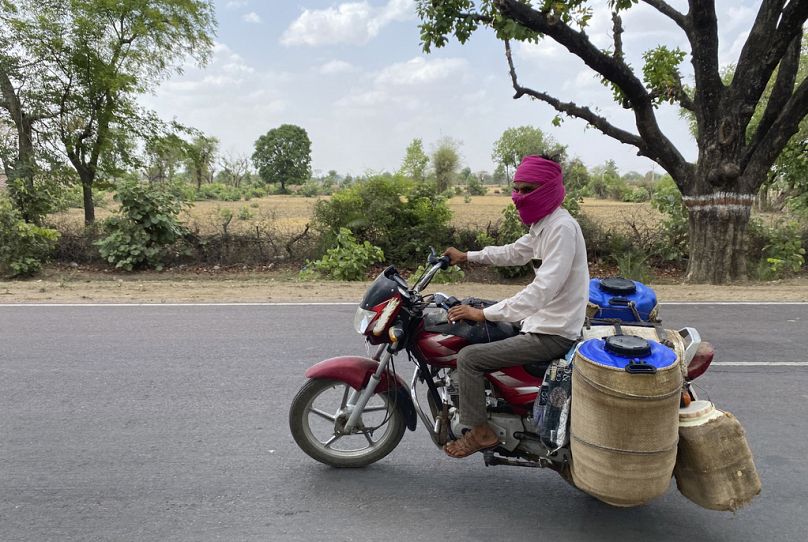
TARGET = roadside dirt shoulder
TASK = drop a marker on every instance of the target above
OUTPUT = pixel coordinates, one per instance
(163, 288)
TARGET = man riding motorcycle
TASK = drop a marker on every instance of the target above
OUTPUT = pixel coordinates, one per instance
(552, 308)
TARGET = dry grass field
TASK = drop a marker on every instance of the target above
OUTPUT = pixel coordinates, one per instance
(291, 213)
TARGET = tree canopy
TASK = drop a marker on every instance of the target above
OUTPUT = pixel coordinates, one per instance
(415, 161)
(516, 143)
(445, 161)
(720, 186)
(283, 155)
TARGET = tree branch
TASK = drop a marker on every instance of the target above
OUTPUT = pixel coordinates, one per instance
(774, 30)
(617, 31)
(781, 92)
(659, 147)
(703, 37)
(574, 110)
(781, 131)
(664, 8)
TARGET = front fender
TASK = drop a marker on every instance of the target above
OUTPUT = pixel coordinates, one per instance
(356, 372)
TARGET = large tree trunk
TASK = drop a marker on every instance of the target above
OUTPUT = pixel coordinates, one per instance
(718, 240)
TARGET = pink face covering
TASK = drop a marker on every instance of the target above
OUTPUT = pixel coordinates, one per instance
(548, 195)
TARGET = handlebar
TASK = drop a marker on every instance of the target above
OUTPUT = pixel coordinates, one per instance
(441, 263)
(437, 264)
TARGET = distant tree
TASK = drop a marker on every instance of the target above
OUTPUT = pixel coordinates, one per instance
(516, 143)
(164, 156)
(632, 177)
(200, 156)
(445, 160)
(283, 155)
(605, 181)
(234, 168)
(500, 175)
(576, 175)
(415, 161)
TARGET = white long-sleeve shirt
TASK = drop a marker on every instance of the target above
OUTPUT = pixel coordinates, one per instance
(555, 302)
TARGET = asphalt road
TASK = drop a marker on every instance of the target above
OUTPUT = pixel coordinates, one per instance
(170, 423)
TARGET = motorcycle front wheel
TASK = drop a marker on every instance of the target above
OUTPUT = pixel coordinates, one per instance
(317, 414)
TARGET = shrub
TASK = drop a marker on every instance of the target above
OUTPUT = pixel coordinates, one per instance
(782, 253)
(70, 198)
(348, 260)
(310, 189)
(632, 264)
(219, 192)
(401, 218)
(146, 224)
(245, 213)
(475, 187)
(23, 246)
(572, 202)
(673, 239)
(508, 229)
(444, 276)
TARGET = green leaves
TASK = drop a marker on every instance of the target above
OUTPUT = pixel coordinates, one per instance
(390, 212)
(348, 260)
(661, 73)
(516, 143)
(283, 155)
(145, 226)
(23, 246)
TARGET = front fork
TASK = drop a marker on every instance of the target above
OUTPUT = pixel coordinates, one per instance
(358, 399)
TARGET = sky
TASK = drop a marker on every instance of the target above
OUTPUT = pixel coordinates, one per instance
(355, 77)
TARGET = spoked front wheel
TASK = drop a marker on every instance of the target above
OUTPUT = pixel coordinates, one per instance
(317, 418)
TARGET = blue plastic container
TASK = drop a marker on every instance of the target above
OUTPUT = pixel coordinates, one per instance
(628, 352)
(614, 296)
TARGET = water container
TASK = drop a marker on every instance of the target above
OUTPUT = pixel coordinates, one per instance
(615, 298)
(714, 465)
(625, 417)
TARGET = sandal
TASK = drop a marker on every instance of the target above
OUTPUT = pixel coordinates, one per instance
(467, 445)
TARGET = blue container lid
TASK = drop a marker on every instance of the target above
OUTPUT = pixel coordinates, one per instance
(631, 350)
(613, 294)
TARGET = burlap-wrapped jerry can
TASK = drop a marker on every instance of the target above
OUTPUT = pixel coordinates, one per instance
(625, 418)
(714, 465)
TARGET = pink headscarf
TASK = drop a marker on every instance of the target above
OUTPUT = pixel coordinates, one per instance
(548, 195)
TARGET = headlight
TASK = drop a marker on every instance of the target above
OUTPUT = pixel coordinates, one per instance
(362, 320)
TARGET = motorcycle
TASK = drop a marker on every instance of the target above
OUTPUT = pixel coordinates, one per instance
(354, 410)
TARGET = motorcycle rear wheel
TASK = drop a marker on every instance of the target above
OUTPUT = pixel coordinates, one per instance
(315, 415)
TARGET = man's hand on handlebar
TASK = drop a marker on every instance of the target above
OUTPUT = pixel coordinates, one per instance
(455, 256)
(466, 312)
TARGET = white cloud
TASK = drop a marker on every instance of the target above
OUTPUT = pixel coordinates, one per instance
(585, 79)
(219, 98)
(233, 4)
(420, 71)
(251, 17)
(351, 22)
(335, 67)
(546, 48)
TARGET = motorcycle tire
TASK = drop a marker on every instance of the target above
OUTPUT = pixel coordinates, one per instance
(335, 453)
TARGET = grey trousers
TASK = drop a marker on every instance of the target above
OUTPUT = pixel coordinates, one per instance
(477, 359)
